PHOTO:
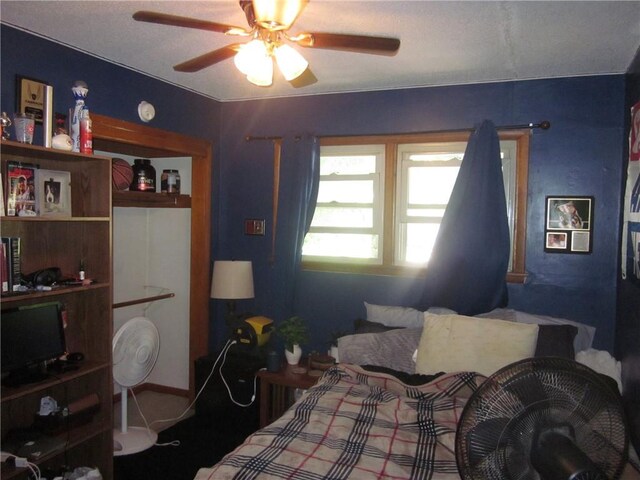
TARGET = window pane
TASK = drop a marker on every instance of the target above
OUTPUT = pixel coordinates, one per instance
(348, 165)
(346, 191)
(343, 217)
(341, 245)
(425, 212)
(429, 185)
(420, 240)
(436, 157)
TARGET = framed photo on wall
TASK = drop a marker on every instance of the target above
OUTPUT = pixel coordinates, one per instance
(53, 193)
(568, 224)
(31, 97)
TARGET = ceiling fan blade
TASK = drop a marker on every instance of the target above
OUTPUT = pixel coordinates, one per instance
(208, 59)
(177, 21)
(351, 43)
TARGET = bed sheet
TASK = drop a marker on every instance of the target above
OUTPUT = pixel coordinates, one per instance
(356, 424)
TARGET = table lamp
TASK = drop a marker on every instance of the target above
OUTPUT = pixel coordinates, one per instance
(232, 280)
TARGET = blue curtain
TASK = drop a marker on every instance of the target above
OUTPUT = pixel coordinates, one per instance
(299, 181)
(468, 266)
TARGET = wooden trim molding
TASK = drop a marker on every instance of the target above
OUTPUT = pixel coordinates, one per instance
(119, 136)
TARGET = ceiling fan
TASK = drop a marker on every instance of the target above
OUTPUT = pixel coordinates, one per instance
(269, 23)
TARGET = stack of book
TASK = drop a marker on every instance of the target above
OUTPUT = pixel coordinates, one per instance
(10, 271)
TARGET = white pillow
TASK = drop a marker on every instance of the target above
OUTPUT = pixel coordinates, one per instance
(394, 316)
(456, 343)
(582, 341)
(602, 362)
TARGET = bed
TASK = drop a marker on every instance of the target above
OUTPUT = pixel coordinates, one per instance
(388, 410)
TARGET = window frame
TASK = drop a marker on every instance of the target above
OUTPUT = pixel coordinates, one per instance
(517, 274)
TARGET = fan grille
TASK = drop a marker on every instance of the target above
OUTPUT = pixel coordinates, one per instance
(135, 351)
(501, 419)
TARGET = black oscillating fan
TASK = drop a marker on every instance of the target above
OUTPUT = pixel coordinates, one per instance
(543, 418)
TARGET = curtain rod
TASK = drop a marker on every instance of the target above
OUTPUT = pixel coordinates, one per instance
(544, 125)
(250, 138)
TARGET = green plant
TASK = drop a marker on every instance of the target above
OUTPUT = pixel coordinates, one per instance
(293, 331)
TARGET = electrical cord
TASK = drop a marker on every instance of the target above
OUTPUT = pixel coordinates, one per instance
(175, 443)
(22, 462)
(224, 380)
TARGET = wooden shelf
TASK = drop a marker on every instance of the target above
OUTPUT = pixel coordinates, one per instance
(85, 368)
(55, 219)
(150, 200)
(62, 290)
(65, 242)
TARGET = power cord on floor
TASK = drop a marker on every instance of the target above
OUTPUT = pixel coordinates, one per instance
(175, 443)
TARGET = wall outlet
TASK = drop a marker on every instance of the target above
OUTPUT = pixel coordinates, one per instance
(253, 226)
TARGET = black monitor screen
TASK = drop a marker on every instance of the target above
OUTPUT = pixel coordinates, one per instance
(30, 335)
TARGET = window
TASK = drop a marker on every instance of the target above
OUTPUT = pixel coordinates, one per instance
(374, 214)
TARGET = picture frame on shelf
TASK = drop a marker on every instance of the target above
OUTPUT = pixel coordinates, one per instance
(31, 97)
(568, 224)
(21, 191)
(53, 193)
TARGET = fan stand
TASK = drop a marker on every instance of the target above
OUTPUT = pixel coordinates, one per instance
(129, 440)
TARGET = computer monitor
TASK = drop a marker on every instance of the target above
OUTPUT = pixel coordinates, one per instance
(31, 336)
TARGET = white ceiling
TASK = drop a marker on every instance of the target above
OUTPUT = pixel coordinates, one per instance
(442, 43)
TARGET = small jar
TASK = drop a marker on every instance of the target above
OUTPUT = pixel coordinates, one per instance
(144, 176)
(170, 181)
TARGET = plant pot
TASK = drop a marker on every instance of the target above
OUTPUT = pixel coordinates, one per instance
(333, 351)
(293, 358)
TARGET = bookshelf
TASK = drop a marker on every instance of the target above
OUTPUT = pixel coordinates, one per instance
(63, 242)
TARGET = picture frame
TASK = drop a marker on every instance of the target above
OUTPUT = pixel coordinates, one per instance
(53, 193)
(568, 224)
(31, 97)
(20, 189)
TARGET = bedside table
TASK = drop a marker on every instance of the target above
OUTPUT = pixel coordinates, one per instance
(277, 389)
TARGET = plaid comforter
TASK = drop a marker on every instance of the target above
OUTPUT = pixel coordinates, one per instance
(355, 424)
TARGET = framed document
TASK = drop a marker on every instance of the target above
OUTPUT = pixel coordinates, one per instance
(31, 97)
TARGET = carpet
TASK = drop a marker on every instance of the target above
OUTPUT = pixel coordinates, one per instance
(201, 445)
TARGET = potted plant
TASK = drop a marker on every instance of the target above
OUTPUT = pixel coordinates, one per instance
(294, 332)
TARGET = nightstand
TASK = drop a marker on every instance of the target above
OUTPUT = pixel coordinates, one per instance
(277, 389)
(214, 406)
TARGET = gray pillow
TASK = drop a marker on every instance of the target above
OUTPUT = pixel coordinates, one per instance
(393, 349)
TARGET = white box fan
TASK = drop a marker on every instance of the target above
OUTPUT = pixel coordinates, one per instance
(135, 350)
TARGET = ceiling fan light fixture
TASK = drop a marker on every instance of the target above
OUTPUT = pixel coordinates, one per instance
(290, 62)
(262, 74)
(250, 55)
(278, 14)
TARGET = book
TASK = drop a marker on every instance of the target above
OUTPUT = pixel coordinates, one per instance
(21, 189)
(4, 276)
(14, 271)
(2, 210)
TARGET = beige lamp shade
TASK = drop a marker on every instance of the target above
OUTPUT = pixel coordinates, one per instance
(232, 279)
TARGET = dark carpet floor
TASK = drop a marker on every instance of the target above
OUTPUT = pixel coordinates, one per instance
(201, 445)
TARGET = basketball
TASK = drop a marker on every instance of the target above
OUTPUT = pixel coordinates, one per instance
(121, 174)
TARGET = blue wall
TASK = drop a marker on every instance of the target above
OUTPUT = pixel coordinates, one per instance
(582, 154)
(113, 91)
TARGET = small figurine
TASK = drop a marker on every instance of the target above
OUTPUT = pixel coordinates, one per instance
(80, 90)
(5, 123)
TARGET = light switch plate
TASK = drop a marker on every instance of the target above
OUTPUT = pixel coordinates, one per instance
(254, 226)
